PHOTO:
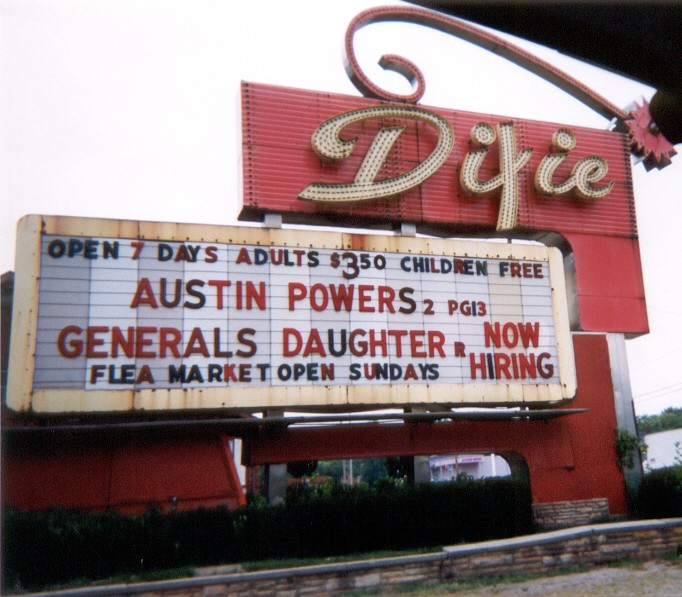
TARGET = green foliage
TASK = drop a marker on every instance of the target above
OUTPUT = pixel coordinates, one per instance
(304, 468)
(628, 447)
(399, 466)
(345, 519)
(56, 546)
(368, 470)
(390, 483)
(330, 468)
(670, 418)
(660, 494)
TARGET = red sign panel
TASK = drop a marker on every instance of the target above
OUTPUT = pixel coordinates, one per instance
(279, 162)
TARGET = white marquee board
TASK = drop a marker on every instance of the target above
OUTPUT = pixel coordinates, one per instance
(121, 315)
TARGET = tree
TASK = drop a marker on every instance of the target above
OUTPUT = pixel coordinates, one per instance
(368, 470)
(670, 418)
(371, 470)
(330, 468)
(304, 468)
(399, 467)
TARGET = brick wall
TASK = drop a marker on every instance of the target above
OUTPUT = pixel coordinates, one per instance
(557, 515)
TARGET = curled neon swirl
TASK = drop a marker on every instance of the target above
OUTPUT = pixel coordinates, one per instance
(469, 33)
(653, 145)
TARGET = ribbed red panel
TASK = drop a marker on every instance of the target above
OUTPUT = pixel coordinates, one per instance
(128, 473)
(279, 162)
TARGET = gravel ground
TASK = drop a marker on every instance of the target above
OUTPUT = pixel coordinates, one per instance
(659, 578)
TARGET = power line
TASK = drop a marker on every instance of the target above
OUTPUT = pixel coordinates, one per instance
(664, 310)
(658, 357)
(659, 393)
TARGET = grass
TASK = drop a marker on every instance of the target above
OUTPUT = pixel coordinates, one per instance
(297, 562)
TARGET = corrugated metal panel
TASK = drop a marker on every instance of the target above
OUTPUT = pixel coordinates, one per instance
(279, 162)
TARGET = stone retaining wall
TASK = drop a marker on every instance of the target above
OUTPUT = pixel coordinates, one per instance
(582, 546)
(558, 515)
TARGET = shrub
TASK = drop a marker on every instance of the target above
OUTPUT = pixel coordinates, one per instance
(660, 494)
(347, 520)
(58, 545)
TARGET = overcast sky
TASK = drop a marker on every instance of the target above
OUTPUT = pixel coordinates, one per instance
(130, 109)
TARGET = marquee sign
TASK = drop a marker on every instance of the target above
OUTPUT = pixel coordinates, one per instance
(137, 315)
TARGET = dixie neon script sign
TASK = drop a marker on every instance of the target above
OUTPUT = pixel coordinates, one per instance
(328, 143)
